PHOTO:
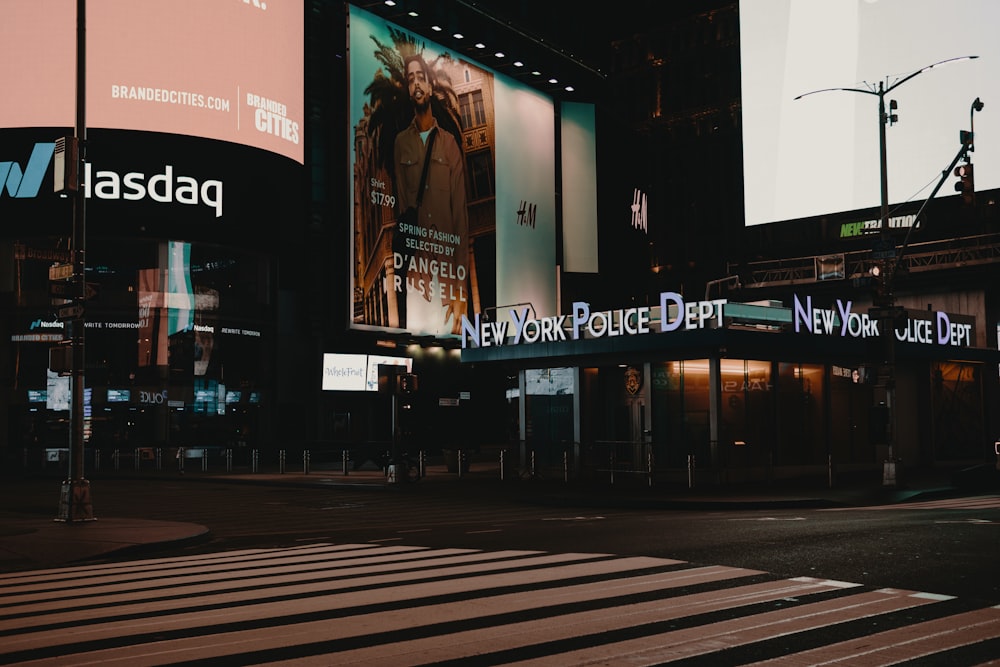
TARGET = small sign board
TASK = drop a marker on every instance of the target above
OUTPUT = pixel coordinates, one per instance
(70, 311)
(67, 289)
(448, 402)
(60, 271)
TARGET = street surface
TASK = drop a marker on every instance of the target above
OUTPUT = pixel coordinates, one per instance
(473, 573)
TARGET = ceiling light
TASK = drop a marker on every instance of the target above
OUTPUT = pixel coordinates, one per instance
(413, 14)
(436, 28)
(499, 54)
(458, 35)
(569, 89)
(518, 63)
(553, 80)
(536, 72)
(480, 45)
(390, 3)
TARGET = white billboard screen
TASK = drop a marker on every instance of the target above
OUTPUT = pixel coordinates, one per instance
(820, 154)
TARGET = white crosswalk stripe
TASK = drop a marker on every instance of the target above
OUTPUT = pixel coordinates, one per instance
(356, 604)
(987, 502)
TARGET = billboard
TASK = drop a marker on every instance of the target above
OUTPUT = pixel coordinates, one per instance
(808, 153)
(160, 67)
(483, 234)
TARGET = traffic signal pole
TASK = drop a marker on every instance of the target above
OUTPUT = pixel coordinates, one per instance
(75, 503)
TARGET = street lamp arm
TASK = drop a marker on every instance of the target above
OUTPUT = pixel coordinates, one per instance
(924, 69)
(827, 90)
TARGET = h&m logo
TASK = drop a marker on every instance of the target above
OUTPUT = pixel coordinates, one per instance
(526, 214)
(638, 207)
(25, 183)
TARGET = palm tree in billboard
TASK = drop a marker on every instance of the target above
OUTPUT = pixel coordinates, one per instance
(391, 109)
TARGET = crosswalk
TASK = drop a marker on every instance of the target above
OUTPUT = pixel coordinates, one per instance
(985, 502)
(377, 604)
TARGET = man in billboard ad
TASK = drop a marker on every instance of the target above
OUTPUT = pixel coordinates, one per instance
(430, 247)
(413, 267)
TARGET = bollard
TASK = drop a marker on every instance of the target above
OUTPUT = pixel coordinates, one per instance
(115, 458)
(253, 460)
(180, 460)
(229, 460)
(612, 466)
(565, 466)
(829, 470)
(97, 459)
(422, 463)
(532, 464)
(281, 462)
(159, 458)
(460, 463)
(649, 466)
(345, 456)
(690, 471)
(502, 452)
(135, 458)
(305, 461)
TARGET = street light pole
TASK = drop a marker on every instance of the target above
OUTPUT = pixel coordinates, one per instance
(74, 500)
(887, 268)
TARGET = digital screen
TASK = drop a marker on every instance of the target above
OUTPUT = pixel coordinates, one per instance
(233, 396)
(548, 381)
(820, 154)
(119, 395)
(492, 173)
(37, 396)
(344, 372)
(374, 361)
(57, 391)
(160, 67)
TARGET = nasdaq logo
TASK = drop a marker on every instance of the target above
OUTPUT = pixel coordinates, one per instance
(24, 183)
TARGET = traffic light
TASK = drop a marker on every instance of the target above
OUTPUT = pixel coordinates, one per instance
(408, 383)
(965, 185)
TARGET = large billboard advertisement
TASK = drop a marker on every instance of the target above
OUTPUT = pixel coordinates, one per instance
(230, 70)
(809, 153)
(475, 227)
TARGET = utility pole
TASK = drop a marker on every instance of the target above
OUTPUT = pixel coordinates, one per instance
(74, 500)
(885, 304)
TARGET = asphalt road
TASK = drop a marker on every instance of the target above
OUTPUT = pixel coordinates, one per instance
(945, 546)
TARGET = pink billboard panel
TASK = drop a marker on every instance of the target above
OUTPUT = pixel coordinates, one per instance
(229, 70)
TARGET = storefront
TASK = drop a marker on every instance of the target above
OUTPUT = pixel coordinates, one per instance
(743, 391)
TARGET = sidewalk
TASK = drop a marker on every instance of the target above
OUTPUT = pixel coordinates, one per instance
(30, 542)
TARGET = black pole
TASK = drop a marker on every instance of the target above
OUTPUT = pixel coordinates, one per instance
(75, 501)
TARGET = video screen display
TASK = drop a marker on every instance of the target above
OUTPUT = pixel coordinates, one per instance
(357, 372)
(810, 153)
(231, 71)
(483, 233)
(119, 395)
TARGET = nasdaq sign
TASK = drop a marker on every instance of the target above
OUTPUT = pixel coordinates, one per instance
(25, 183)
